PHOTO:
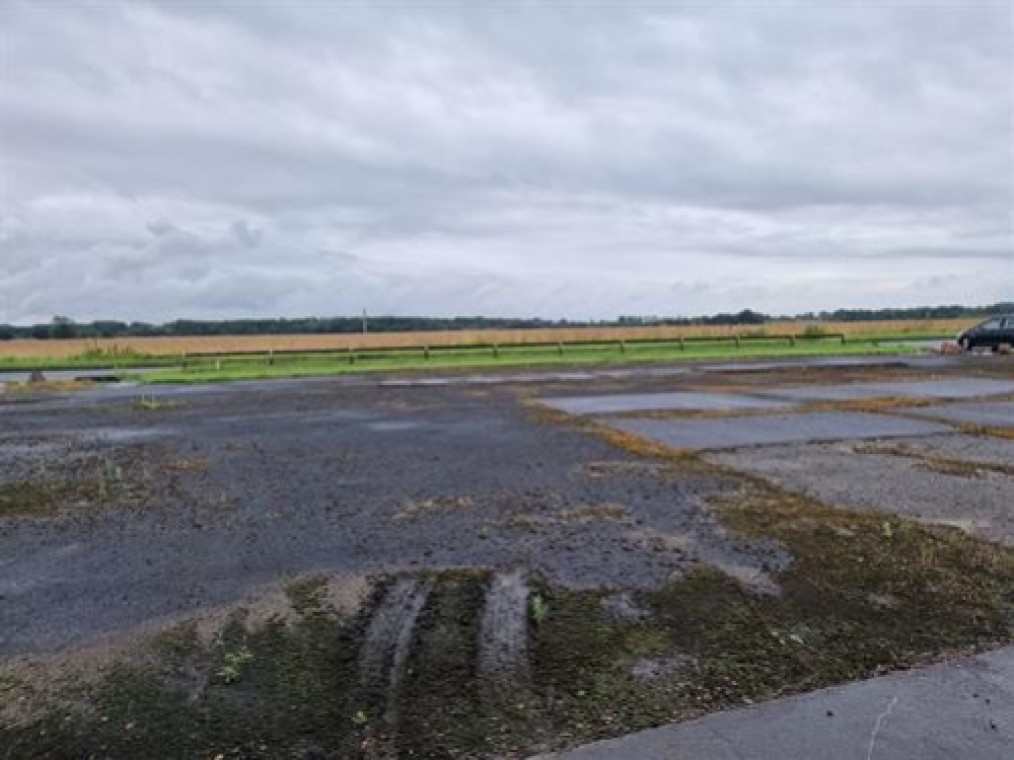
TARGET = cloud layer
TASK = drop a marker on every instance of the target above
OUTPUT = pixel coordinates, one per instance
(581, 160)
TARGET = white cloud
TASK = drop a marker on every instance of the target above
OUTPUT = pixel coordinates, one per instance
(186, 160)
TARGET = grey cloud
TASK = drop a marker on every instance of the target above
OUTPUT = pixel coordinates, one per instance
(560, 159)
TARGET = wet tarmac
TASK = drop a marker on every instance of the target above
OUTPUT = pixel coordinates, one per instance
(233, 486)
(241, 488)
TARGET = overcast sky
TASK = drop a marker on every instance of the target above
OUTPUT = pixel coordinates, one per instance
(583, 160)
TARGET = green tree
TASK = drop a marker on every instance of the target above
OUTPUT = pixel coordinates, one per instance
(62, 328)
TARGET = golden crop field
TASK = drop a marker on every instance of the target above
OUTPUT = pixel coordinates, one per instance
(227, 344)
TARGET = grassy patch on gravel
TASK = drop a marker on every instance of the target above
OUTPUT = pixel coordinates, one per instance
(42, 498)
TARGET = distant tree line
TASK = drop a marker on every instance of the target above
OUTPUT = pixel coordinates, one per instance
(61, 327)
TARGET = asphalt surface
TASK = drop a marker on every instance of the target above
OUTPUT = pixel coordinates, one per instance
(232, 486)
(237, 487)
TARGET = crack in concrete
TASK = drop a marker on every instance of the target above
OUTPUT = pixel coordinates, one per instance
(877, 725)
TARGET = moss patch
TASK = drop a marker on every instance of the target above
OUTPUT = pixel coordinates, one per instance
(42, 498)
(278, 691)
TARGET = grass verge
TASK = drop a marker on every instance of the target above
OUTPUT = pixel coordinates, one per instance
(244, 368)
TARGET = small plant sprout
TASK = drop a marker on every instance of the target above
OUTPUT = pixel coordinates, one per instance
(110, 476)
(232, 667)
(360, 719)
(150, 402)
(540, 608)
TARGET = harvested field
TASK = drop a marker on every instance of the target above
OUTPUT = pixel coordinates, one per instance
(198, 345)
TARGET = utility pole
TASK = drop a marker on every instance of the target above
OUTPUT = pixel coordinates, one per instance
(364, 321)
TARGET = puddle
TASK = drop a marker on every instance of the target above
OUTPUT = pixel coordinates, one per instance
(728, 433)
(680, 400)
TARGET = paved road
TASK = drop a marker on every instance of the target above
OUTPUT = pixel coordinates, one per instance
(961, 710)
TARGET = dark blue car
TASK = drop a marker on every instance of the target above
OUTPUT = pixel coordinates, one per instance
(993, 333)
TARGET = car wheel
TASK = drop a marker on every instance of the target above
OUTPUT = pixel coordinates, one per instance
(966, 344)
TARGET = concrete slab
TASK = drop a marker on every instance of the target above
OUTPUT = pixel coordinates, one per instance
(957, 388)
(894, 477)
(960, 709)
(678, 400)
(733, 432)
(1000, 414)
(966, 448)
